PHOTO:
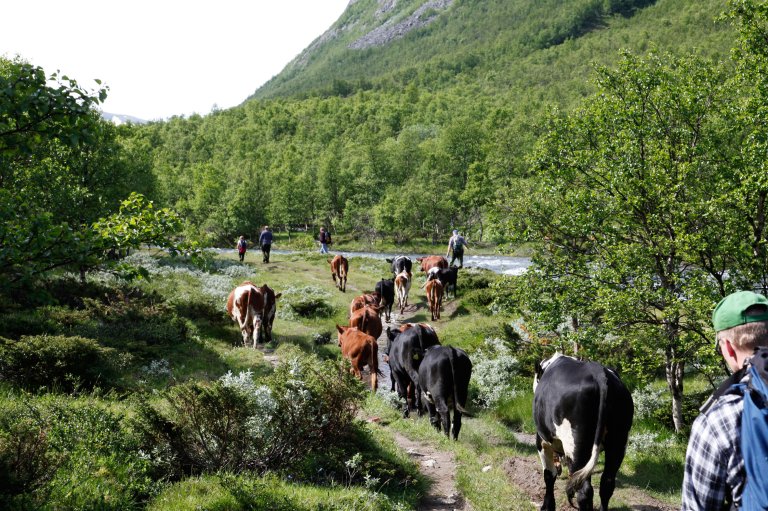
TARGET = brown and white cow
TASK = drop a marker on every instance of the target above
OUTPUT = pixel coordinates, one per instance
(361, 349)
(435, 297)
(361, 301)
(339, 270)
(245, 304)
(402, 287)
(430, 262)
(367, 320)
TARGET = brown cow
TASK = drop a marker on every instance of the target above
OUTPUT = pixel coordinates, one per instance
(430, 262)
(367, 320)
(435, 297)
(245, 304)
(270, 308)
(361, 349)
(361, 301)
(339, 268)
(402, 286)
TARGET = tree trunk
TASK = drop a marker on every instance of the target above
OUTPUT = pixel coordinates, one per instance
(675, 371)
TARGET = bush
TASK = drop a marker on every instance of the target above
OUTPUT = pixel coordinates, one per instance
(305, 302)
(237, 424)
(493, 372)
(55, 361)
(69, 454)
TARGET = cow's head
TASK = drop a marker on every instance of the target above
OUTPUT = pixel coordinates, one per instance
(270, 309)
(342, 330)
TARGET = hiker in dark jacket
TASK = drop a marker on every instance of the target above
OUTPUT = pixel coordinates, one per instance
(265, 242)
(325, 240)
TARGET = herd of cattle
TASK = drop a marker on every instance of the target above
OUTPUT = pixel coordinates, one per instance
(579, 408)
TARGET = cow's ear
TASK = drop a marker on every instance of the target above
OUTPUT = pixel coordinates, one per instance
(537, 370)
(330, 260)
(340, 329)
(388, 260)
(278, 295)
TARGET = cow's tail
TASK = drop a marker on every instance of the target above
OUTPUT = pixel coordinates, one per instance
(577, 478)
(248, 318)
(373, 364)
(459, 399)
(363, 319)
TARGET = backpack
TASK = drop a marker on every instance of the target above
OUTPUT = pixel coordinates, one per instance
(241, 245)
(328, 238)
(754, 433)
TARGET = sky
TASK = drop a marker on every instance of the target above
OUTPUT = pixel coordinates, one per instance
(165, 57)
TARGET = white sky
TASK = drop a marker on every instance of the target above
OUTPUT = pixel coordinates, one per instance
(165, 57)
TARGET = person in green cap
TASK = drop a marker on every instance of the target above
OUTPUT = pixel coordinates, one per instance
(714, 466)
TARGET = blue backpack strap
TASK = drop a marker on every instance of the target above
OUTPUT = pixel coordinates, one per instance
(754, 435)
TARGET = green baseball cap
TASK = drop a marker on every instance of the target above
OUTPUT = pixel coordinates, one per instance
(732, 310)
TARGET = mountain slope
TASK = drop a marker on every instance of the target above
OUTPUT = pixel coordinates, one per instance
(385, 43)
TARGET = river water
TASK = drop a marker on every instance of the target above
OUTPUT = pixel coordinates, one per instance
(505, 265)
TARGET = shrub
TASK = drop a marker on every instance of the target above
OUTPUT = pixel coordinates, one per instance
(55, 361)
(69, 454)
(236, 423)
(306, 302)
(493, 371)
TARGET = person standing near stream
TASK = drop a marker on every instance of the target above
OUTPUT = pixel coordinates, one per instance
(265, 242)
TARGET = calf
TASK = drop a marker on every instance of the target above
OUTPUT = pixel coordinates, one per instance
(400, 264)
(339, 269)
(361, 301)
(386, 288)
(367, 320)
(245, 304)
(447, 277)
(402, 287)
(579, 408)
(431, 262)
(270, 308)
(405, 352)
(444, 379)
(361, 349)
(434, 297)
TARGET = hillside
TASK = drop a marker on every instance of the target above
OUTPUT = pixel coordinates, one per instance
(493, 43)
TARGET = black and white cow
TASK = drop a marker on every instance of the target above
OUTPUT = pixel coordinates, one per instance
(579, 409)
(444, 379)
(447, 277)
(405, 351)
(386, 290)
(400, 264)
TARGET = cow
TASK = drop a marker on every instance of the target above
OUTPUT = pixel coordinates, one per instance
(339, 269)
(579, 408)
(405, 351)
(444, 380)
(245, 305)
(434, 297)
(361, 301)
(386, 288)
(361, 349)
(270, 308)
(447, 277)
(402, 287)
(367, 320)
(400, 264)
(428, 262)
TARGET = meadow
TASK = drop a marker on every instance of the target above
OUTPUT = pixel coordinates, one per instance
(137, 395)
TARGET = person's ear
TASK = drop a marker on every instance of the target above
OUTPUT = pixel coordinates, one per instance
(729, 351)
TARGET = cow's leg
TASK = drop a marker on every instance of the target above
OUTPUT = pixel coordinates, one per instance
(445, 416)
(582, 456)
(333, 274)
(546, 454)
(614, 455)
(256, 330)
(434, 415)
(456, 423)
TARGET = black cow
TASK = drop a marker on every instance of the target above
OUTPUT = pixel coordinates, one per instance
(405, 350)
(386, 290)
(446, 275)
(444, 379)
(579, 408)
(400, 263)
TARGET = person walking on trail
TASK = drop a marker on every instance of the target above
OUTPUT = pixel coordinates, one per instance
(715, 471)
(325, 240)
(242, 246)
(265, 242)
(456, 245)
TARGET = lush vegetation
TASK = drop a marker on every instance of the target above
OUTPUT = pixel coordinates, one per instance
(641, 195)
